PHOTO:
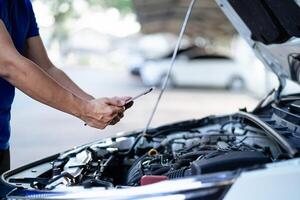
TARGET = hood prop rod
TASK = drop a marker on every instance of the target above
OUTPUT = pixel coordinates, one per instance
(166, 80)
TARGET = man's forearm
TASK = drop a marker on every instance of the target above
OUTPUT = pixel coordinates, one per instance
(36, 52)
(33, 81)
(67, 83)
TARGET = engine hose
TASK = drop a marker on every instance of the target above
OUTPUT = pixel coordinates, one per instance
(161, 170)
(96, 183)
(183, 172)
(180, 163)
(194, 155)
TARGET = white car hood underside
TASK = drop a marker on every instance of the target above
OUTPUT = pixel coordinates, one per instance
(279, 55)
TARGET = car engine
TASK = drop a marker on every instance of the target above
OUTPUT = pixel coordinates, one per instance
(185, 149)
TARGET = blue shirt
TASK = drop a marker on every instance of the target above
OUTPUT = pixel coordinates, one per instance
(19, 20)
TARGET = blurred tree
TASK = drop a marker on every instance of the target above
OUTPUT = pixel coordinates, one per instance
(63, 10)
(124, 6)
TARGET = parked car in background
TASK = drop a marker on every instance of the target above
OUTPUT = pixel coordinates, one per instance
(155, 47)
(137, 64)
(195, 70)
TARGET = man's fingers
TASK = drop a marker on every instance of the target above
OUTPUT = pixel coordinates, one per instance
(116, 101)
(126, 99)
(117, 118)
(105, 111)
(121, 115)
(119, 110)
(115, 121)
(112, 111)
(96, 125)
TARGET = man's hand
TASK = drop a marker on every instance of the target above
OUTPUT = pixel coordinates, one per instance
(100, 113)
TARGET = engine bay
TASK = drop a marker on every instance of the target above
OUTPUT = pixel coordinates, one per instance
(200, 147)
(185, 149)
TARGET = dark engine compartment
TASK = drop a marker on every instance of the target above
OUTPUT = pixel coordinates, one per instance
(242, 141)
(175, 151)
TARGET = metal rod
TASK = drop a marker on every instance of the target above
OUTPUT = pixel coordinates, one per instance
(166, 80)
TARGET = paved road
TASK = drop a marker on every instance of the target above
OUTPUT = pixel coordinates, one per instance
(39, 131)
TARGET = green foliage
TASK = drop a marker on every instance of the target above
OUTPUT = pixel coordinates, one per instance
(63, 10)
(124, 6)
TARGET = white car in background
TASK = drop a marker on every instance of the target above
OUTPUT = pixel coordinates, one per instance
(196, 71)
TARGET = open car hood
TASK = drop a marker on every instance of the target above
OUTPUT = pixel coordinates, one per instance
(272, 29)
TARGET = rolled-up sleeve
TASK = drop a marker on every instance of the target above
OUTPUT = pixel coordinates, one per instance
(33, 26)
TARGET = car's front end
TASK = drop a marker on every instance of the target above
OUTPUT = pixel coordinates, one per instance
(245, 155)
(206, 158)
